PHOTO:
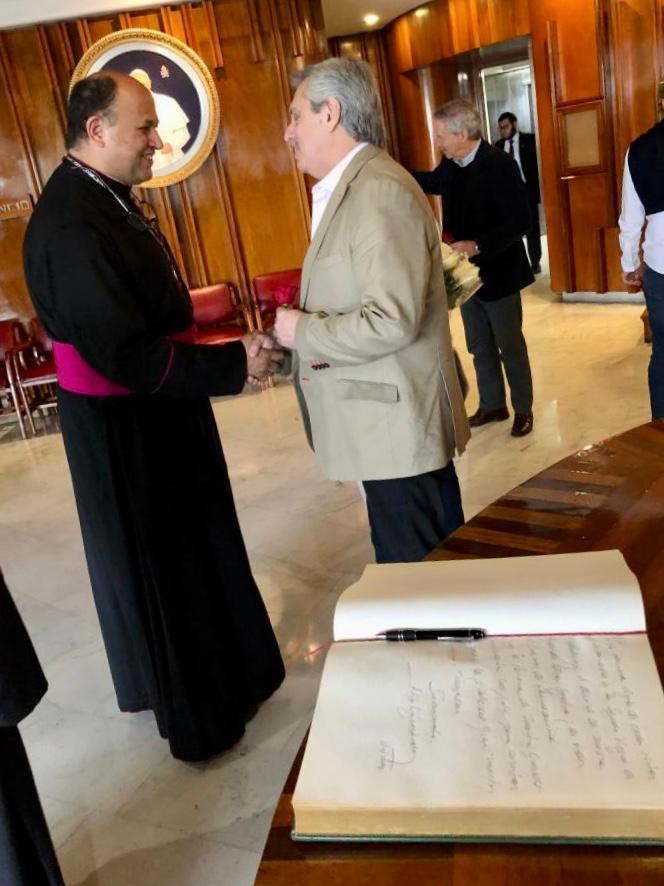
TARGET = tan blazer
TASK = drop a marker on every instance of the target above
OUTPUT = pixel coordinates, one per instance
(388, 404)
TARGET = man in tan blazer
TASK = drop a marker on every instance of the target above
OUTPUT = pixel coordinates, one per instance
(375, 373)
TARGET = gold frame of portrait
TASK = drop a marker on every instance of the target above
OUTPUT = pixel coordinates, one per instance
(185, 52)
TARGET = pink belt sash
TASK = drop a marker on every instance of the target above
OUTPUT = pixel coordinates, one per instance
(76, 375)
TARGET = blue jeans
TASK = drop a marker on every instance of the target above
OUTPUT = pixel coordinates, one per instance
(494, 336)
(653, 289)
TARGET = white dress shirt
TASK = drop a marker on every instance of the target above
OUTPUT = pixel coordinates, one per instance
(517, 151)
(322, 190)
(468, 159)
(631, 221)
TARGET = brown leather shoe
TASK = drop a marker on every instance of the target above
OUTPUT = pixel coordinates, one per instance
(523, 424)
(484, 416)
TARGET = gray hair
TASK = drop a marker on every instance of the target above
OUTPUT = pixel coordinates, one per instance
(459, 116)
(352, 83)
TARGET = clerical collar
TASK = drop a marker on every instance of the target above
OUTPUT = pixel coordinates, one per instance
(119, 188)
(468, 159)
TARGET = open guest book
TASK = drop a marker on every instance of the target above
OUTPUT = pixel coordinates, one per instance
(550, 729)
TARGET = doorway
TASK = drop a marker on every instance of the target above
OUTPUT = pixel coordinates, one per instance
(495, 78)
(507, 85)
(508, 88)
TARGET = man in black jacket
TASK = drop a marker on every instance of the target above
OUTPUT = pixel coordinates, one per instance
(521, 146)
(485, 213)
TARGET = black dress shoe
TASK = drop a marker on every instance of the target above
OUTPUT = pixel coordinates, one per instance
(484, 416)
(537, 269)
(523, 424)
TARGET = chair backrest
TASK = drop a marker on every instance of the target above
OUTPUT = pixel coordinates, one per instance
(278, 288)
(11, 333)
(39, 335)
(214, 305)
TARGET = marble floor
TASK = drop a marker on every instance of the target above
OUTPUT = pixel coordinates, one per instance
(121, 810)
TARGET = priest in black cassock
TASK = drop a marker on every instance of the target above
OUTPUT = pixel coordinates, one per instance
(185, 628)
(27, 857)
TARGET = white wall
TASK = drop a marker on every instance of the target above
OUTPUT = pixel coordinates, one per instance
(15, 13)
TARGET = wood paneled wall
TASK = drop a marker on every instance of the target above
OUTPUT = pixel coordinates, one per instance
(245, 212)
(603, 57)
(370, 47)
(418, 58)
(566, 59)
(428, 58)
(445, 28)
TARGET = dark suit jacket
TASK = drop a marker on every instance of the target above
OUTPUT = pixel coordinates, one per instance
(486, 201)
(22, 681)
(528, 157)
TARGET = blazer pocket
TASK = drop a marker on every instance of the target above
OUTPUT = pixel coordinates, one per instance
(328, 261)
(349, 389)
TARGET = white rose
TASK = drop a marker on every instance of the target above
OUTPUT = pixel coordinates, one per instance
(451, 260)
(465, 269)
(466, 273)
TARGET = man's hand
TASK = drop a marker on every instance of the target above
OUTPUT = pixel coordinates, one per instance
(633, 278)
(466, 247)
(263, 359)
(285, 326)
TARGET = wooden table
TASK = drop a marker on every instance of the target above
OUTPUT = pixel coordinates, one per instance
(606, 496)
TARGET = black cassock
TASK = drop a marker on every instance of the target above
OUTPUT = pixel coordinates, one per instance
(27, 857)
(185, 629)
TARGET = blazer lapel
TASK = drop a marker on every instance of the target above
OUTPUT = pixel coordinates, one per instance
(335, 201)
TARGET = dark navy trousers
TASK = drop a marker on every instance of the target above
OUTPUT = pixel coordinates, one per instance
(409, 516)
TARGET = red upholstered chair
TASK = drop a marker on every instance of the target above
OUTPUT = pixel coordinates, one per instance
(34, 369)
(11, 335)
(273, 290)
(218, 314)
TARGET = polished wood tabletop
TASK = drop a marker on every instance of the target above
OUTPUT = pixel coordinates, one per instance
(609, 495)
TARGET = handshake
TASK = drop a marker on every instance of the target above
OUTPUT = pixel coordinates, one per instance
(263, 356)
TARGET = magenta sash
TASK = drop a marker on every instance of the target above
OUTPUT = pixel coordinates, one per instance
(76, 375)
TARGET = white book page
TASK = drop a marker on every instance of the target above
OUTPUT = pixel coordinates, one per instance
(590, 592)
(564, 722)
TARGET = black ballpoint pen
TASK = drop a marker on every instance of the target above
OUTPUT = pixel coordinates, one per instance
(458, 634)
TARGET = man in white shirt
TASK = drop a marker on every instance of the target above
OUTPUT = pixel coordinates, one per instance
(643, 204)
(522, 146)
(375, 373)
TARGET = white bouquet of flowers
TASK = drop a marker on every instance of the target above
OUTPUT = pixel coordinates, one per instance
(462, 277)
